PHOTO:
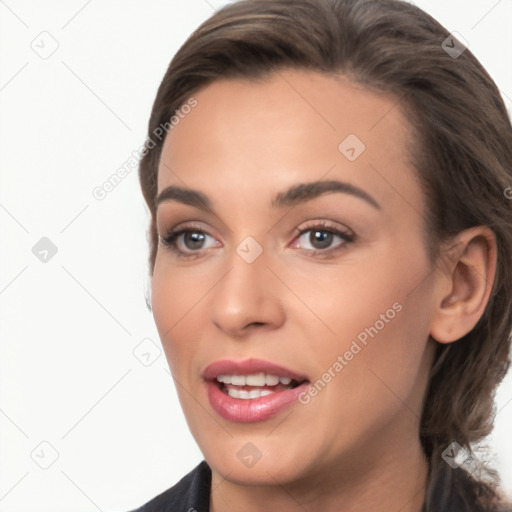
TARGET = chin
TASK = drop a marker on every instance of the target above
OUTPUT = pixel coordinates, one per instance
(253, 460)
(265, 472)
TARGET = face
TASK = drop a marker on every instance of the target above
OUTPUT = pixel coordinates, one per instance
(294, 229)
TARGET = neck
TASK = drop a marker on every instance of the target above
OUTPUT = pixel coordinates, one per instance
(393, 480)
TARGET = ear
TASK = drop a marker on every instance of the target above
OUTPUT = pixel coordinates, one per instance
(465, 283)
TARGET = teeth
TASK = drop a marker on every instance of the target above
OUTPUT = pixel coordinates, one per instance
(255, 393)
(238, 380)
(271, 380)
(254, 379)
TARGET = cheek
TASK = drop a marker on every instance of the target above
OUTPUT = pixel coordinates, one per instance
(374, 329)
(175, 303)
(384, 383)
(363, 294)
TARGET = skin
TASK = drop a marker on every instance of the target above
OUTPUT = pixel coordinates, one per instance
(358, 438)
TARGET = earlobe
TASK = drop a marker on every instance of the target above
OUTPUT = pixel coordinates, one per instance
(468, 275)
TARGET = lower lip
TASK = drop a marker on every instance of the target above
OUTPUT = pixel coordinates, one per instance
(252, 409)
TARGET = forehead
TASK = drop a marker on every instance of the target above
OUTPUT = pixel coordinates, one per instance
(288, 127)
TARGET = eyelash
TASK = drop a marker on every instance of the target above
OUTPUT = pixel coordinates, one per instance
(348, 237)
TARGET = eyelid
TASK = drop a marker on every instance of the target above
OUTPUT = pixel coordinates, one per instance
(324, 224)
(181, 226)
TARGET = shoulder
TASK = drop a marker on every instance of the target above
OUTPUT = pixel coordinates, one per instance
(190, 494)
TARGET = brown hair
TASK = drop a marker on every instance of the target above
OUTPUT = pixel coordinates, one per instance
(462, 155)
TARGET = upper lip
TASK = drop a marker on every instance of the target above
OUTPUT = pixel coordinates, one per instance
(248, 367)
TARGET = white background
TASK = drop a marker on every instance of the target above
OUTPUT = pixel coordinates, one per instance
(68, 374)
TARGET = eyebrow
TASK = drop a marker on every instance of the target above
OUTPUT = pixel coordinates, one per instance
(300, 193)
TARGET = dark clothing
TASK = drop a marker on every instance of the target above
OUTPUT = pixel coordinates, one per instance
(190, 494)
(449, 493)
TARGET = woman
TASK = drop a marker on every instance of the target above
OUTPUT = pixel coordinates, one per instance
(330, 258)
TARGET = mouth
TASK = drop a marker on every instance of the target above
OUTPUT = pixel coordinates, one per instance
(255, 385)
(251, 390)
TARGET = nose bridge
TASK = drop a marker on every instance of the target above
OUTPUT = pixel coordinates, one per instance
(245, 294)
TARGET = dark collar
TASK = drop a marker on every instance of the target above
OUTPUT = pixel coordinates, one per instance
(190, 494)
(450, 491)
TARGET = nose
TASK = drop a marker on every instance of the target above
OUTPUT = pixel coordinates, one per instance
(248, 297)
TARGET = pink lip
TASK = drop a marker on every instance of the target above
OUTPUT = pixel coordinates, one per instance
(226, 366)
(255, 409)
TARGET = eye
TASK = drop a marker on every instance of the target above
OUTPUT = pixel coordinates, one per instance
(188, 241)
(322, 238)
